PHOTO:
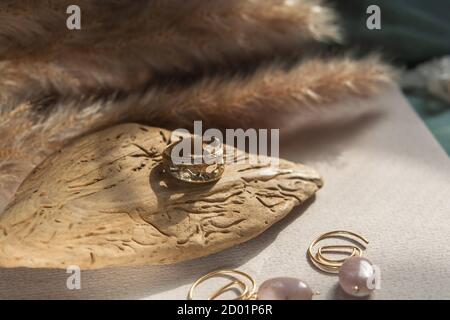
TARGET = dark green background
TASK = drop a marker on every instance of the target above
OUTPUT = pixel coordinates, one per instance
(412, 32)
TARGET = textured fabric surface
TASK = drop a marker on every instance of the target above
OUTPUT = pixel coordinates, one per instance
(385, 177)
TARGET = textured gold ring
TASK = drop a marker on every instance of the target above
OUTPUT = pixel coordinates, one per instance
(186, 164)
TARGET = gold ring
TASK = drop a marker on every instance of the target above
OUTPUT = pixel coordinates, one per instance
(192, 160)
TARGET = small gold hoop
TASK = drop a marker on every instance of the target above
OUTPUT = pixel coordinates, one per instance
(248, 292)
(332, 265)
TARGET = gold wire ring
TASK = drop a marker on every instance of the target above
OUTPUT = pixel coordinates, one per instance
(248, 292)
(193, 168)
(350, 250)
(332, 265)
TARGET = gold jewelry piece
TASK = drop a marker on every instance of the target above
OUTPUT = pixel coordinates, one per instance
(195, 168)
(247, 287)
(357, 275)
(281, 288)
(332, 265)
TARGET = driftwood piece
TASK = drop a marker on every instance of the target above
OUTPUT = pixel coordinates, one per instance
(105, 201)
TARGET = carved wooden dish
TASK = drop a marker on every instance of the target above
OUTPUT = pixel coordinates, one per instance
(105, 201)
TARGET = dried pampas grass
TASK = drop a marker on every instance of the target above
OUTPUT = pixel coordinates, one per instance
(270, 94)
(254, 100)
(127, 44)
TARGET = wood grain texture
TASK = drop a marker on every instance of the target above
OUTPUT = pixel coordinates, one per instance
(105, 201)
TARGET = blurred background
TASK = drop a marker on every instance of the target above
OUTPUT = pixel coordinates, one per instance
(415, 35)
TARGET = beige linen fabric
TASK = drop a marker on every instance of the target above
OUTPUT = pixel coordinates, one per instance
(385, 177)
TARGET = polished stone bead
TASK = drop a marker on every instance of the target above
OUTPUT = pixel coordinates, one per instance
(284, 289)
(356, 276)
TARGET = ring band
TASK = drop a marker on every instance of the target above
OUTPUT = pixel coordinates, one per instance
(195, 168)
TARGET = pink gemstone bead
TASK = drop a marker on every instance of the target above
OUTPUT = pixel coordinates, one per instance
(284, 289)
(356, 276)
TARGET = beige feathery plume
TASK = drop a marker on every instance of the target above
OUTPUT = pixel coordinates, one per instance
(263, 98)
(126, 44)
(270, 93)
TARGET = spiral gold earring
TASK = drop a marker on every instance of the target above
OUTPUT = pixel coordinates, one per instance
(356, 274)
(332, 265)
(245, 284)
(272, 289)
